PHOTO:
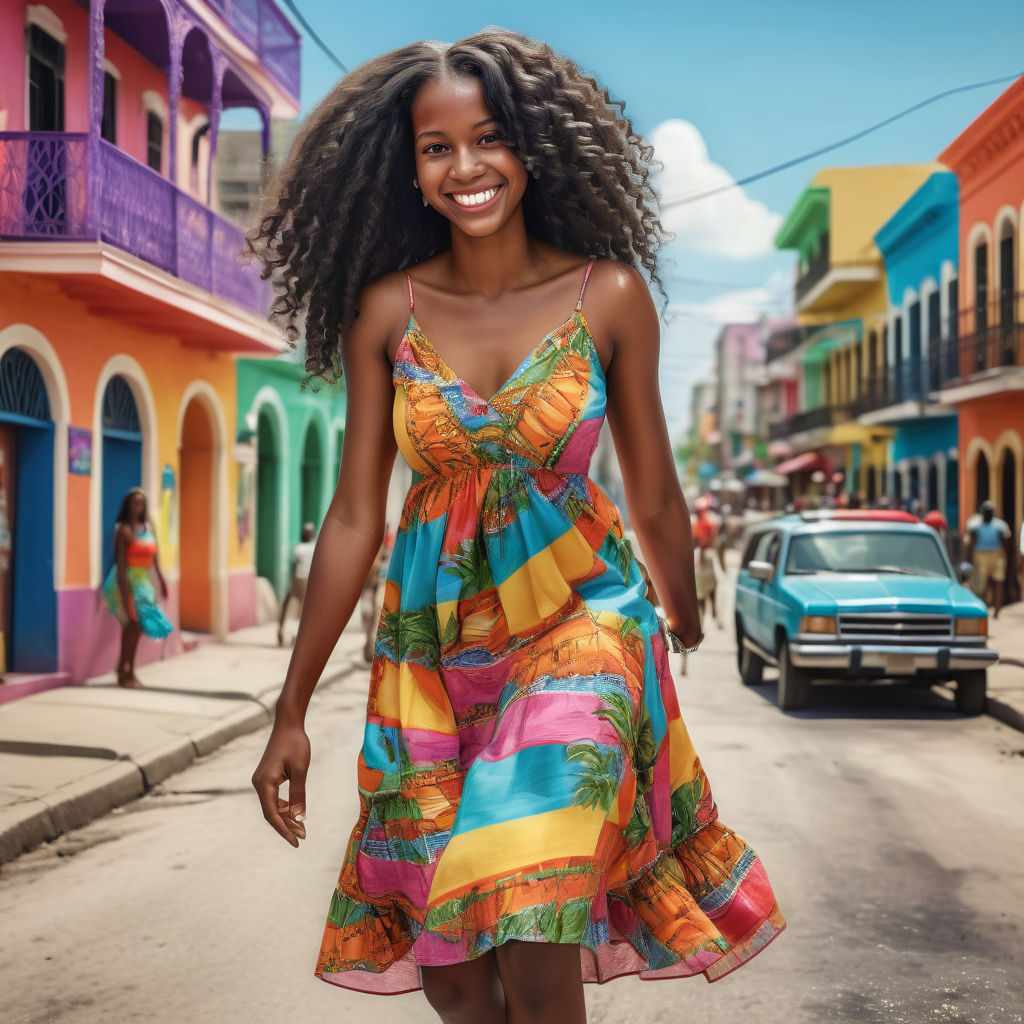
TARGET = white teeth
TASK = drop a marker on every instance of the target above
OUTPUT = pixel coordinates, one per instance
(474, 198)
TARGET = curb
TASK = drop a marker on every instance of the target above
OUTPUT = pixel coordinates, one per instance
(42, 819)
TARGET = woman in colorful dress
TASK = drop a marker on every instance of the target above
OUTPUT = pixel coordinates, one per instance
(128, 589)
(532, 814)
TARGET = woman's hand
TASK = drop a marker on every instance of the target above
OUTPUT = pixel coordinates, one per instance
(286, 757)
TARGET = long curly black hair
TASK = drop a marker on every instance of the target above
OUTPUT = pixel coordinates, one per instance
(342, 211)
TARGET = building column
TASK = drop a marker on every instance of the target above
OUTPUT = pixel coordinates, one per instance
(216, 106)
(95, 113)
(175, 72)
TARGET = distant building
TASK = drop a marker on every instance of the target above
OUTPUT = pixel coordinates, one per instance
(242, 169)
(739, 356)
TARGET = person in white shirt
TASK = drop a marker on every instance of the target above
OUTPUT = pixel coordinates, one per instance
(302, 557)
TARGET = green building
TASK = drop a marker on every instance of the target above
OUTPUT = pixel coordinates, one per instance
(296, 434)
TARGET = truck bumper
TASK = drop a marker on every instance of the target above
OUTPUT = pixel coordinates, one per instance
(891, 660)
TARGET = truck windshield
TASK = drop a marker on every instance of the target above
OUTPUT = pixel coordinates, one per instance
(868, 551)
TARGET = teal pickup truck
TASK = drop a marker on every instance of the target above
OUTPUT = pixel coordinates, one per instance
(857, 595)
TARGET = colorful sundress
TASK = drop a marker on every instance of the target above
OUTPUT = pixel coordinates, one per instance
(525, 773)
(139, 560)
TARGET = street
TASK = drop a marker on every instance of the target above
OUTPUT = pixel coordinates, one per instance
(889, 824)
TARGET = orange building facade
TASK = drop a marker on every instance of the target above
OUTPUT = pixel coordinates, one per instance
(985, 361)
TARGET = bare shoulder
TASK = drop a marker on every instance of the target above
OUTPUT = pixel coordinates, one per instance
(383, 312)
(619, 307)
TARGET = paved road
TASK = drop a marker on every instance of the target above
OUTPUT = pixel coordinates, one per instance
(891, 827)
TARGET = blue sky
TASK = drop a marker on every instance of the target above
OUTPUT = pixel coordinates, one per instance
(753, 84)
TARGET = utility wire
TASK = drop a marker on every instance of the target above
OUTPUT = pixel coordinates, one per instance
(290, 4)
(692, 197)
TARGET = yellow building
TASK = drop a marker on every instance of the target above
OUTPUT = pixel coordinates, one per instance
(841, 338)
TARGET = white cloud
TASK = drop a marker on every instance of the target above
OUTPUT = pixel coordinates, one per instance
(774, 299)
(728, 224)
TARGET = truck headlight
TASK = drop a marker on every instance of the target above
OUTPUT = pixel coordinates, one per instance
(818, 624)
(972, 627)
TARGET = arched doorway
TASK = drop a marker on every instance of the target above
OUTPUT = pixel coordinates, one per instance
(339, 444)
(28, 602)
(931, 499)
(122, 457)
(982, 487)
(197, 517)
(312, 477)
(267, 526)
(953, 490)
(1008, 509)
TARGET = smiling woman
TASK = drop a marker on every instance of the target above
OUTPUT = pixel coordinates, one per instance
(533, 814)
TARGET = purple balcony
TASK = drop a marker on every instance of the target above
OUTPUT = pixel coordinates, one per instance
(51, 190)
(271, 35)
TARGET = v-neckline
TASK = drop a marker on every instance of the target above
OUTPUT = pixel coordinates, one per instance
(527, 359)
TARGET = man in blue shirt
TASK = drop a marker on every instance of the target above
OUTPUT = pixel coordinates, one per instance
(988, 545)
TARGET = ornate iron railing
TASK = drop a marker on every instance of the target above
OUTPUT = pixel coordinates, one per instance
(45, 193)
(987, 338)
(892, 385)
(809, 419)
(816, 269)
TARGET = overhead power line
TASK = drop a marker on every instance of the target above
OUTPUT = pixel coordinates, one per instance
(311, 32)
(692, 197)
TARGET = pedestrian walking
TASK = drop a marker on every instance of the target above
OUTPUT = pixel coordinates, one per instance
(128, 588)
(302, 558)
(707, 582)
(532, 812)
(988, 543)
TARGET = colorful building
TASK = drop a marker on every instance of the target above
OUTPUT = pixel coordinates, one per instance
(298, 432)
(919, 244)
(842, 306)
(982, 368)
(739, 356)
(122, 306)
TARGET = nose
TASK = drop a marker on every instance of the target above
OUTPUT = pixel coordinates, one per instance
(466, 164)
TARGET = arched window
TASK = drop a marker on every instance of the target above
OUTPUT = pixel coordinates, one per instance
(22, 390)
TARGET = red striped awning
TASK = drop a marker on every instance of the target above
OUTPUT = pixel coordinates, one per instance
(807, 462)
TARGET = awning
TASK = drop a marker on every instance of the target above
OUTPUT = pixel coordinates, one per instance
(824, 341)
(804, 463)
(766, 478)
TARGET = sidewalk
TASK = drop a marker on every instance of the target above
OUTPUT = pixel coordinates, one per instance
(1006, 678)
(69, 755)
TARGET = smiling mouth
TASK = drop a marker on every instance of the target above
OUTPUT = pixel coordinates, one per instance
(474, 200)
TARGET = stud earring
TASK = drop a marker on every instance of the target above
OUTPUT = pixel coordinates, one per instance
(415, 182)
(425, 203)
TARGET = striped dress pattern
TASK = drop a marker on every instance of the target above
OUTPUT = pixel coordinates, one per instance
(525, 773)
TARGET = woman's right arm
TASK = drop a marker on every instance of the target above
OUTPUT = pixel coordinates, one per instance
(349, 539)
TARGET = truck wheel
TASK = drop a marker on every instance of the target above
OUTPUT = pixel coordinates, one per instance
(793, 682)
(970, 692)
(751, 665)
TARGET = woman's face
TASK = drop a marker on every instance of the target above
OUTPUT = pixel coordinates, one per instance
(137, 505)
(465, 167)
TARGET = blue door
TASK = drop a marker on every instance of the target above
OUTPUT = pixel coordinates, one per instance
(122, 457)
(25, 407)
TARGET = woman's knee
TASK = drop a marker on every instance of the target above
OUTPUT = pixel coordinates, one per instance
(469, 992)
(539, 975)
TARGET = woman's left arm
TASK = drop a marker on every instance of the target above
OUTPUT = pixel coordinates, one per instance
(159, 572)
(657, 508)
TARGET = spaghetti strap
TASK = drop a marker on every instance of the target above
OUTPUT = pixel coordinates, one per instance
(412, 301)
(586, 277)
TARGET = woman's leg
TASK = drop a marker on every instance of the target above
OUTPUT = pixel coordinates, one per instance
(468, 993)
(543, 983)
(126, 662)
(133, 646)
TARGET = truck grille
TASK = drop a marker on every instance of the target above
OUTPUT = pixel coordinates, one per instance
(895, 628)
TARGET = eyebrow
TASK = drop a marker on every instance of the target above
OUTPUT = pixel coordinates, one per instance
(479, 124)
